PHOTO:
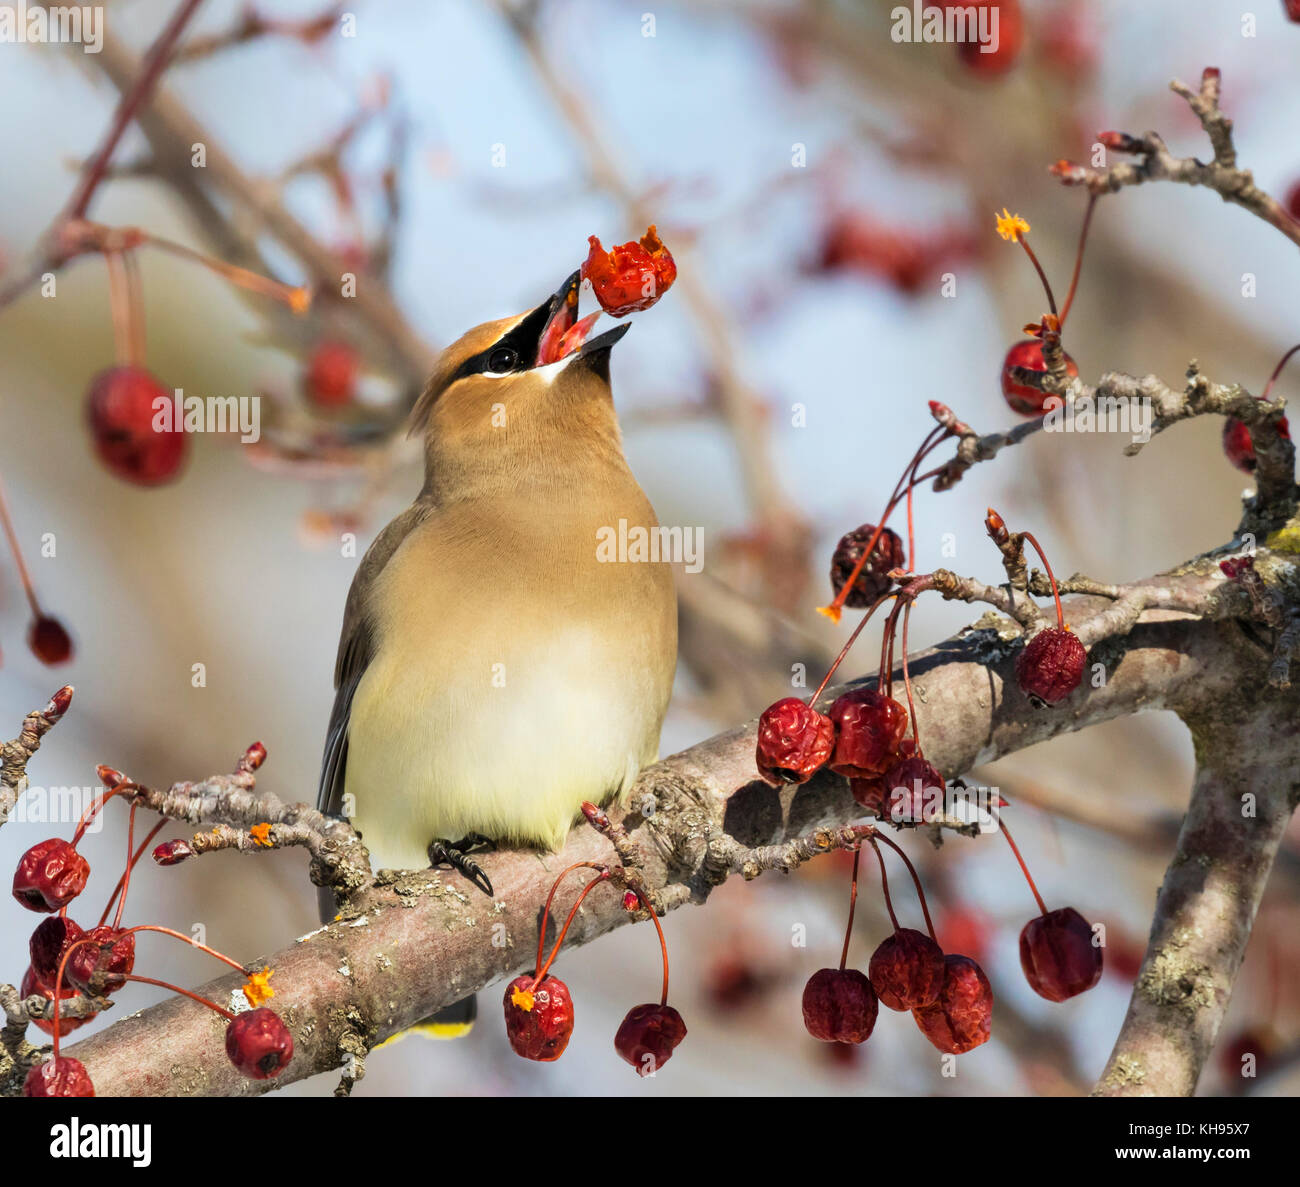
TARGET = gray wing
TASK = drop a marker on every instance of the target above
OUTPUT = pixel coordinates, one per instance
(356, 647)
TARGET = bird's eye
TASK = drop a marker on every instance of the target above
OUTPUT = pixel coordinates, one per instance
(502, 359)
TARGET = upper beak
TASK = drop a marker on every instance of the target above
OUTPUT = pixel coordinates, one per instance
(561, 312)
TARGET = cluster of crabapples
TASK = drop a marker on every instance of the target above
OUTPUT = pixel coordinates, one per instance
(539, 1007)
(1027, 362)
(69, 962)
(870, 738)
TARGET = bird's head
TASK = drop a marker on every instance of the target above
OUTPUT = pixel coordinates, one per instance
(507, 391)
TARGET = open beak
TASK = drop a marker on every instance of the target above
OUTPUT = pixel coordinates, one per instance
(564, 333)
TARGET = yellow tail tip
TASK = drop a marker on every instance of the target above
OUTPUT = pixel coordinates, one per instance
(429, 1030)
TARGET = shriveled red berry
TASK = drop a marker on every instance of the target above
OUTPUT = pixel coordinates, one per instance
(331, 378)
(1239, 446)
(871, 792)
(648, 1036)
(839, 1006)
(869, 728)
(49, 641)
(872, 581)
(630, 277)
(258, 1043)
(794, 741)
(50, 875)
(1051, 666)
(539, 1018)
(907, 970)
(1022, 398)
(121, 407)
(60, 1076)
(1011, 36)
(101, 965)
(51, 939)
(32, 984)
(961, 1016)
(916, 791)
(1292, 9)
(1058, 954)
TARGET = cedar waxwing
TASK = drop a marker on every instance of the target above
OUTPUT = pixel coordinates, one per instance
(492, 673)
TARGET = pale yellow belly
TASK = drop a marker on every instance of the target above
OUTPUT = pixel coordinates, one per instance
(505, 707)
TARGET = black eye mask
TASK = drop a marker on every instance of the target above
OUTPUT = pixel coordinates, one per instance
(513, 352)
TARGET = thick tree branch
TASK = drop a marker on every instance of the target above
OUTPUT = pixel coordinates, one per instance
(422, 940)
(1243, 796)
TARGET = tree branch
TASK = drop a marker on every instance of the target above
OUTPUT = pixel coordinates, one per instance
(421, 940)
(1242, 798)
(1156, 163)
(15, 755)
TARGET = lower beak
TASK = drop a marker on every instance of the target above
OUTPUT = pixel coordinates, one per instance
(603, 342)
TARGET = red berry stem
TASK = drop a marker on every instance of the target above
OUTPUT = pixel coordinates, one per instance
(1272, 379)
(885, 677)
(1023, 240)
(564, 931)
(853, 903)
(58, 985)
(884, 885)
(119, 304)
(135, 307)
(90, 813)
(139, 853)
(903, 487)
(663, 943)
(228, 1015)
(1056, 593)
(911, 524)
(848, 646)
(931, 442)
(63, 963)
(176, 935)
(1024, 869)
(916, 881)
(130, 864)
(903, 599)
(907, 680)
(1078, 259)
(23, 575)
(546, 910)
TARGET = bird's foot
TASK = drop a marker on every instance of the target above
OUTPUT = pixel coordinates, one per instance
(457, 856)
